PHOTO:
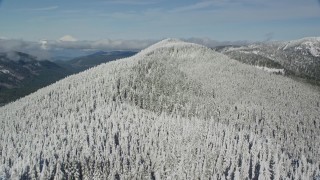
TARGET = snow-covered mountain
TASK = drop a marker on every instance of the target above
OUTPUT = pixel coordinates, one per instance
(306, 46)
(298, 57)
(175, 110)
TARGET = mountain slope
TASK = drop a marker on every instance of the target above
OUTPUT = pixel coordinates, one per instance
(22, 74)
(300, 58)
(175, 110)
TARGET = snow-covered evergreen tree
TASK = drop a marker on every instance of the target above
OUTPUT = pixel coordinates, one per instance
(154, 116)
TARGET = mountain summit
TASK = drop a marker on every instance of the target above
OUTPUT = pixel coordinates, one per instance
(175, 110)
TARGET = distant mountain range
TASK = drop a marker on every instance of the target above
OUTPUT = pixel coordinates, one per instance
(300, 58)
(22, 74)
(84, 62)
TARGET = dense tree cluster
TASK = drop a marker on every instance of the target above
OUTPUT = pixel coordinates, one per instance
(175, 110)
(251, 58)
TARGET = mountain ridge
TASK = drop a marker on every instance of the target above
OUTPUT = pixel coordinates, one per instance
(299, 58)
(175, 110)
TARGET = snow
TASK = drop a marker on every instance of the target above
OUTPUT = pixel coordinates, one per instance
(313, 48)
(5, 71)
(67, 38)
(311, 44)
(271, 70)
(175, 109)
(255, 52)
(43, 44)
(298, 42)
(169, 44)
(249, 52)
(315, 51)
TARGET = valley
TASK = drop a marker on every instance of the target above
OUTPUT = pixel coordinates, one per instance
(22, 74)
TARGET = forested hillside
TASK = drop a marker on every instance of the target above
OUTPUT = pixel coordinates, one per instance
(175, 110)
(22, 74)
(298, 58)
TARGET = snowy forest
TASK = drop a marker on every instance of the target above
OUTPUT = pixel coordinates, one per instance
(299, 58)
(175, 110)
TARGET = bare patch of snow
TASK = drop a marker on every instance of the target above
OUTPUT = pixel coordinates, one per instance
(5, 71)
(255, 52)
(311, 44)
(271, 70)
(313, 49)
(44, 44)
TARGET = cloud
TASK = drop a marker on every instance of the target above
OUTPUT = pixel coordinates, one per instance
(105, 44)
(34, 48)
(196, 6)
(68, 38)
(8, 44)
(213, 43)
(109, 45)
(13, 56)
(47, 49)
(208, 13)
(269, 36)
(43, 44)
(133, 2)
(250, 10)
(46, 8)
(122, 44)
(209, 4)
(49, 8)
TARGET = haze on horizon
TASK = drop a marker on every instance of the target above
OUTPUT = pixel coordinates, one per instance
(222, 20)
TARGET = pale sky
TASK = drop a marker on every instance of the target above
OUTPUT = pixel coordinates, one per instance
(223, 20)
